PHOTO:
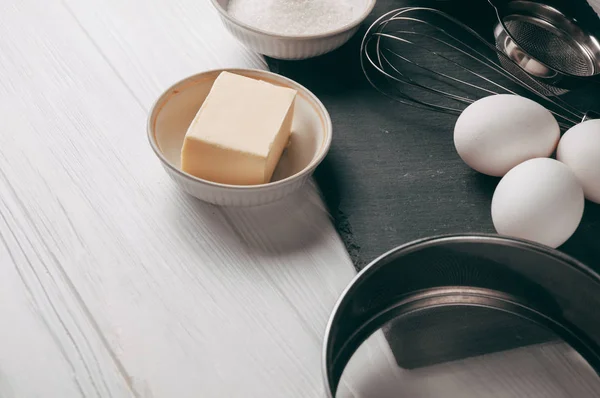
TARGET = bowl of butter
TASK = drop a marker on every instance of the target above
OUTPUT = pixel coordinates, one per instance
(239, 137)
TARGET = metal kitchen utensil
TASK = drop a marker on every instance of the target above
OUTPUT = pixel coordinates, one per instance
(426, 58)
(547, 44)
(429, 278)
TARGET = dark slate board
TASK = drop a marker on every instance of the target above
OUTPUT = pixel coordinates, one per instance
(392, 175)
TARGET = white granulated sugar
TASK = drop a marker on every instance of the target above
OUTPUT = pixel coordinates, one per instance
(293, 17)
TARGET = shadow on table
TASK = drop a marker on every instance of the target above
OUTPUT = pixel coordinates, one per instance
(293, 224)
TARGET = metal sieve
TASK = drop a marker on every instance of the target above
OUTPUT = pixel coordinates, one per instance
(427, 279)
(547, 44)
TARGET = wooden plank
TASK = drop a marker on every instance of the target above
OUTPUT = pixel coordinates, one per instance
(153, 44)
(50, 346)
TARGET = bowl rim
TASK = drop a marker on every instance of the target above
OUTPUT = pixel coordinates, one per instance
(355, 23)
(163, 99)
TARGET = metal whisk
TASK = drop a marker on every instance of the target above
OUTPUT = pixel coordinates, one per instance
(426, 58)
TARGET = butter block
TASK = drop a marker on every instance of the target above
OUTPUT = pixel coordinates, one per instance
(240, 131)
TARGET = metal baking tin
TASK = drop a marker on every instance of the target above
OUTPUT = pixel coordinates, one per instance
(530, 281)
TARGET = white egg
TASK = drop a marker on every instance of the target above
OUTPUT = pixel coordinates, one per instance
(579, 148)
(539, 200)
(496, 133)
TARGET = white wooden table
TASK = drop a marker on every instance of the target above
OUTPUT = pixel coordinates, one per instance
(113, 283)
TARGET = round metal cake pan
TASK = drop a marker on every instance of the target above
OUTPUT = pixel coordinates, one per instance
(526, 280)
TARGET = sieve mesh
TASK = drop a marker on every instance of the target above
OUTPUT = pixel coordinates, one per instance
(551, 46)
(536, 84)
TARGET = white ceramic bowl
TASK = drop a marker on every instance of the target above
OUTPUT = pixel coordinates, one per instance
(310, 140)
(293, 47)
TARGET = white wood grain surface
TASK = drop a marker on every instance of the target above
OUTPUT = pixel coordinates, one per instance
(115, 284)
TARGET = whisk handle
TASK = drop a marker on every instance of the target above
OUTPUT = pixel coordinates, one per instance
(590, 115)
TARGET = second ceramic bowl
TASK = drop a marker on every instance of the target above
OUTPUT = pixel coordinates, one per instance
(293, 47)
(310, 140)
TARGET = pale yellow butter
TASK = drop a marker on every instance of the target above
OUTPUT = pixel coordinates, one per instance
(240, 131)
